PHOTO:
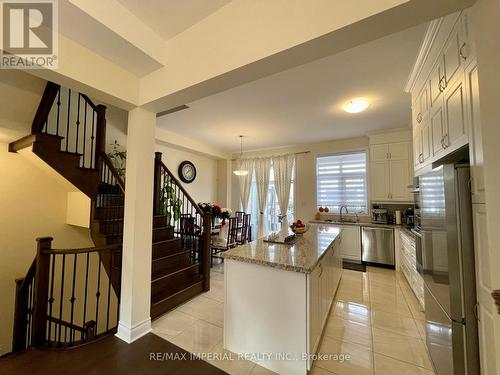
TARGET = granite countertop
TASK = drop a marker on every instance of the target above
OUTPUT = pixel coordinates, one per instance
(403, 227)
(302, 256)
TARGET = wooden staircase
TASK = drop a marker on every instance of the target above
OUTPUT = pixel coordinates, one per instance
(68, 134)
(180, 268)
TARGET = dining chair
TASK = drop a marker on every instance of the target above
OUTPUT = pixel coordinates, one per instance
(189, 232)
(222, 244)
(244, 230)
(240, 215)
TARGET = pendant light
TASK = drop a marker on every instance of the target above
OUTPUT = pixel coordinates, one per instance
(241, 171)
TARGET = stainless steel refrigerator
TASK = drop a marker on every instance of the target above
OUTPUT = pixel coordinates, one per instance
(447, 257)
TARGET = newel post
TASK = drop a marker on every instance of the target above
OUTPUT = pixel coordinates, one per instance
(157, 185)
(41, 293)
(100, 137)
(205, 250)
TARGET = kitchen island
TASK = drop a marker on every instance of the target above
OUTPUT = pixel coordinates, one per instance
(277, 298)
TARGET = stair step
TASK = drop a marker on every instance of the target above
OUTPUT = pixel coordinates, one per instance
(110, 211)
(159, 221)
(175, 299)
(170, 263)
(70, 153)
(165, 286)
(163, 233)
(111, 226)
(166, 247)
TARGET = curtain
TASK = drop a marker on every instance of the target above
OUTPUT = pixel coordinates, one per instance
(283, 169)
(245, 181)
(262, 171)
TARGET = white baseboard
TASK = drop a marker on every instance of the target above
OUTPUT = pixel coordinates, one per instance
(130, 334)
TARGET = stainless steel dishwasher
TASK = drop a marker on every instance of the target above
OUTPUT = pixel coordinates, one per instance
(377, 245)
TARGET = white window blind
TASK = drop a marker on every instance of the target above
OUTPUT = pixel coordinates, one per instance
(341, 180)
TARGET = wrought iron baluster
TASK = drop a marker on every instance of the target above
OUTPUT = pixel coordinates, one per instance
(61, 300)
(51, 298)
(92, 137)
(109, 288)
(67, 119)
(78, 124)
(98, 293)
(85, 292)
(72, 300)
(58, 110)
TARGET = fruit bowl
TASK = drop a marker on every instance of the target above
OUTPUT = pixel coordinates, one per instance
(298, 227)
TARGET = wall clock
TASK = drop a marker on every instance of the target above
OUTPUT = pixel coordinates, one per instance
(187, 172)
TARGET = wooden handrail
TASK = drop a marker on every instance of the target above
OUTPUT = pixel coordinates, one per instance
(83, 250)
(29, 275)
(43, 110)
(113, 170)
(181, 188)
(89, 102)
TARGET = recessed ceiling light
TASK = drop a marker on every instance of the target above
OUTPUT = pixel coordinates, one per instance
(356, 105)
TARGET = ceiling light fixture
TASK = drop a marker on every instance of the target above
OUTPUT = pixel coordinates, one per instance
(241, 171)
(356, 105)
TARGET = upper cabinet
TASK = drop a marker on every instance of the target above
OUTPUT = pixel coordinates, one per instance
(440, 88)
(390, 166)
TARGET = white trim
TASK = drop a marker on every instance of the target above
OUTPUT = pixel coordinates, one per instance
(423, 52)
(130, 334)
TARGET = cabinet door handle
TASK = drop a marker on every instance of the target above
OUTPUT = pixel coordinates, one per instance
(442, 85)
(419, 118)
(462, 55)
(320, 269)
(421, 158)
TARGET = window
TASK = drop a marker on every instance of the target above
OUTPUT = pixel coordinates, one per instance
(272, 207)
(341, 180)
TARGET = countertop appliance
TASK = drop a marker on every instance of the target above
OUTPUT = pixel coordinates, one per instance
(448, 270)
(377, 245)
(380, 215)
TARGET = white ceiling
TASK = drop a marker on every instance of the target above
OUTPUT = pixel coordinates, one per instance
(303, 104)
(171, 17)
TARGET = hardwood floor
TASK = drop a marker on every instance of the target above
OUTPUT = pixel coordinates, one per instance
(109, 356)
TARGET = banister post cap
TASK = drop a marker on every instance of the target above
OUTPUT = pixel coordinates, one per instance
(158, 155)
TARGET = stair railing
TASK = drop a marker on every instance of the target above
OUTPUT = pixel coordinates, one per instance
(66, 298)
(73, 116)
(190, 223)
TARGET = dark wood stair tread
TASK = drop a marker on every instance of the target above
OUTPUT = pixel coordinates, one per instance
(170, 292)
(175, 299)
(184, 269)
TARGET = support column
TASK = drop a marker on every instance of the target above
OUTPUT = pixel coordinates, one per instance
(135, 320)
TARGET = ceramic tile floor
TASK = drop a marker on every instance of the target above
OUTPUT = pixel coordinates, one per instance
(375, 318)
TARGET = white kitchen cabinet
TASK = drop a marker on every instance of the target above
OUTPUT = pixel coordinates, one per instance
(453, 54)
(436, 83)
(350, 242)
(437, 131)
(447, 127)
(475, 134)
(400, 177)
(408, 265)
(486, 310)
(390, 171)
(323, 283)
(455, 128)
(380, 180)
(379, 152)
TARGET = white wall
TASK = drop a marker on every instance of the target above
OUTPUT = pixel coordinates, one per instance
(305, 172)
(32, 204)
(204, 187)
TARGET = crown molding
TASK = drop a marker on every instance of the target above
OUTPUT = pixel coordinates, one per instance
(423, 52)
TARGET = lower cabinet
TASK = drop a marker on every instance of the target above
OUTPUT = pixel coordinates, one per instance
(408, 265)
(350, 242)
(323, 282)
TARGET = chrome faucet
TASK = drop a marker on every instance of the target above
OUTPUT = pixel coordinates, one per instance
(346, 211)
